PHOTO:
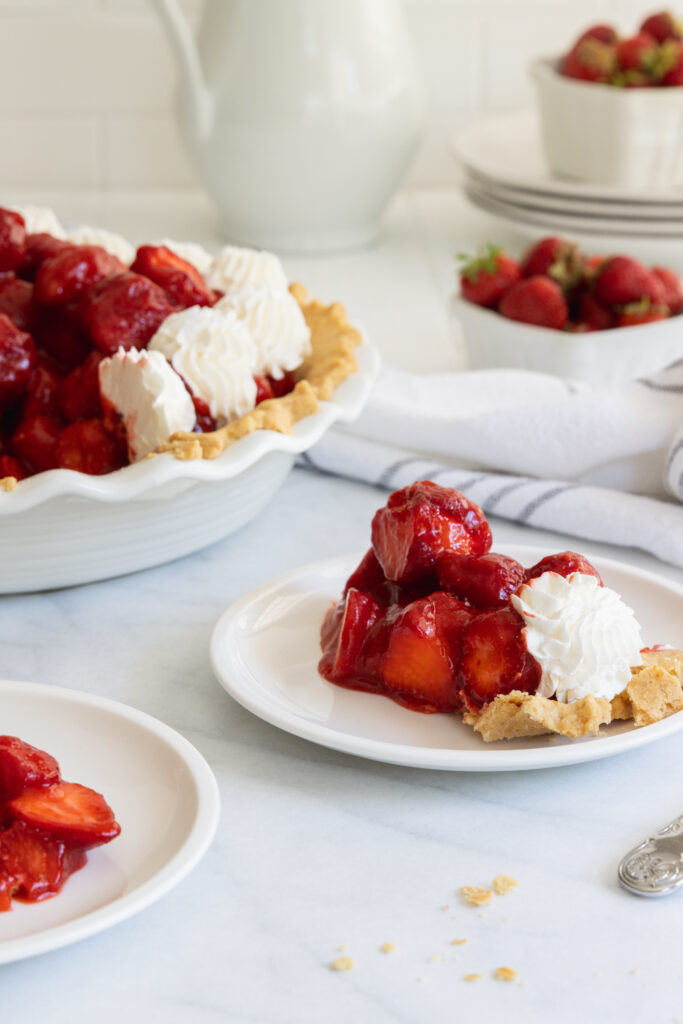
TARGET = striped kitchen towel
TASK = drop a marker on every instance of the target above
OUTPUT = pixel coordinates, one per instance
(605, 463)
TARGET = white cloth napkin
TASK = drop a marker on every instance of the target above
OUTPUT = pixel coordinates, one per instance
(561, 455)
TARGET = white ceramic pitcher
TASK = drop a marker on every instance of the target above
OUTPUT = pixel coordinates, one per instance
(301, 116)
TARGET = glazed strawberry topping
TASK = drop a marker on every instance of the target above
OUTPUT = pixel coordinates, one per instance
(16, 300)
(46, 824)
(17, 361)
(72, 271)
(182, 282)
(88, 447)
(426, 617)
(124, 311)
(420, 523)
(12, 240)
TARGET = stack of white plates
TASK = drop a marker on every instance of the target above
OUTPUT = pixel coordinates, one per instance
(506, 175)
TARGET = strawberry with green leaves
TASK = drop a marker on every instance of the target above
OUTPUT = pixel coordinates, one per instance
(485, 278)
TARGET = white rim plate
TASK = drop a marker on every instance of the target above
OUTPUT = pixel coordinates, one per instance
(131, 482)
(265, 650)
(506, 148)
(606, 227)
(163, 793)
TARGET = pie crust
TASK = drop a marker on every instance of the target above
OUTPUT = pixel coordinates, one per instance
(331, 361)
(655, 691)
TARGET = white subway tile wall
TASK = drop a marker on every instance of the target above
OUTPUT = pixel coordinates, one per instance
(87, 86)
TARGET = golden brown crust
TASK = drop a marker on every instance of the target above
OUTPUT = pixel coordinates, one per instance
(9, 483)
(331, 361)
(654, 692)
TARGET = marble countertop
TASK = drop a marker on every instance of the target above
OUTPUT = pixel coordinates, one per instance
(317, 850)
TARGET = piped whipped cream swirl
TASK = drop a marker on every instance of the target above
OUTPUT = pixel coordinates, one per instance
(214, 352)
(233, 266)
(585, 638)
(150, 397)
(41, 220)
(276, 324)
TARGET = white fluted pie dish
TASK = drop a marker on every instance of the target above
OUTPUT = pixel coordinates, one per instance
(61, 528)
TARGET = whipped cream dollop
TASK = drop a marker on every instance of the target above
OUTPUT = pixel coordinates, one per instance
(585, 638)
(190, 251)
(149, 395)
(276, 324)
(115, 244)
(41, 220)
(214, 352)
(233, 266)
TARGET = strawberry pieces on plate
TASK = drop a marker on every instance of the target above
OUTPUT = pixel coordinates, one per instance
(427, 618)
(46, 824)
(420, 523)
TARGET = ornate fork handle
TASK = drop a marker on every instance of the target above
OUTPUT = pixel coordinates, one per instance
(655, 867)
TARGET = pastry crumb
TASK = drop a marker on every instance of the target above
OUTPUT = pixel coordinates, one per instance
(458, 942)
(387, 947)
(434, 959)
(476, 895)
(503, 884)
(634, 970)
(445, 906)
(342, 948)
(472, 977)
(505, 974)
(342, 963)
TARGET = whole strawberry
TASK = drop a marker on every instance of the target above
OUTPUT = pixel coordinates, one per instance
(590, 61)
(486, 278)
(536, 300)
(554, 257)
(621, 281)
(673, 289)
(637, 53)
(670, 63)
(662, 26)
(592, 314)
(603, 33)
(643, 312)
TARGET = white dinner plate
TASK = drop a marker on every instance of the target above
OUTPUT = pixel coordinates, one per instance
(550, 219)
(507, 148)
(265, 650)
(161, 789)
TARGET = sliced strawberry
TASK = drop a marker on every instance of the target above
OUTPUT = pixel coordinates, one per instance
(420, 666)
(368, 576)
(495, 659)
(485, 581)
(79, 393)
(179, 279)
(42, 393)
(359, 614)
(35, 440)
(124, 311)
(12, 240)
(72, 271)
(421, 522)
(67, 812)
(40, 247)
(18, 358)
(23, 766)
(264, 389)
(34, 866)
(16, 298)
(87, 447)
(282, 385)
(9, 466)
(564, 564)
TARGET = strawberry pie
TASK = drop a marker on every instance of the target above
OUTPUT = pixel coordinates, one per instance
(109, 355)
(435, 620)
(47, 825)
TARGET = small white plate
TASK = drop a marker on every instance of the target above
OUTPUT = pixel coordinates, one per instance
(161, 789)
(265, 650)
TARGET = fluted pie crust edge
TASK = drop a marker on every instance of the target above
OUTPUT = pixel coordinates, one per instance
(331, 361)
(654, 692)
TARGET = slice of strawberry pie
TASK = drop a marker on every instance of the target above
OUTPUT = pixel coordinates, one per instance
(438, 622)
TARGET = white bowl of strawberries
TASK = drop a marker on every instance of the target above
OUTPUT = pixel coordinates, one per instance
(611, 108)
(557, 310)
